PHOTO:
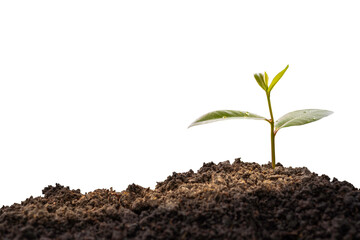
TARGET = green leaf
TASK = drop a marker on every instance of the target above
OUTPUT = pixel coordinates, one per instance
(300, 117)
(225, 115)
(277, 78)
(266, 79)
(260, 80)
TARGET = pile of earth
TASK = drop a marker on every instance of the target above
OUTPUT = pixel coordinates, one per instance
(221, 201)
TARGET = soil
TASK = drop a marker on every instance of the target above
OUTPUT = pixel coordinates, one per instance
(220, 201)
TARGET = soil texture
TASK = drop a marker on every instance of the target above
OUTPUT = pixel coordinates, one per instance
(220, 201)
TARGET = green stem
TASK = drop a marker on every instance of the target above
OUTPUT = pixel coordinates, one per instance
(272, 124)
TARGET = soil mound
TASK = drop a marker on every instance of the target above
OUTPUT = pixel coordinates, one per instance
(221, 201)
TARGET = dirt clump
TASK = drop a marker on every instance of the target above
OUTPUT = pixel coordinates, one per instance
(220, 201)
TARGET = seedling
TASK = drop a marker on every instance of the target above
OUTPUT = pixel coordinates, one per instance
(296, 118)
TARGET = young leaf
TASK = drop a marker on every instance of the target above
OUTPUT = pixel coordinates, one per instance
(277, 78)
(260, 80)
(225, 115)
(301, 117)
(266, 79)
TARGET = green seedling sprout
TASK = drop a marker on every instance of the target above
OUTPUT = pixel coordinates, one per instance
(296, 118)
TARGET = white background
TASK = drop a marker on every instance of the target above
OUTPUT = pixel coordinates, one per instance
(99, 94)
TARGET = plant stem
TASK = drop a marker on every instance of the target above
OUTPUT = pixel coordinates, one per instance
(272, 124)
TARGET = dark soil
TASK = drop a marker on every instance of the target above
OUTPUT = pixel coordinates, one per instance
(223, 201)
